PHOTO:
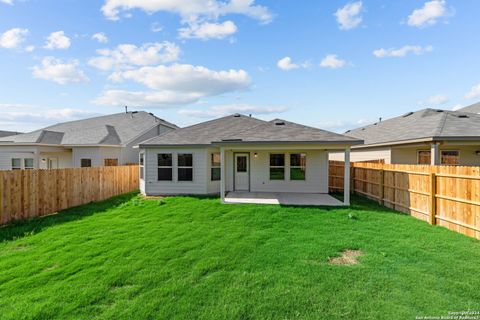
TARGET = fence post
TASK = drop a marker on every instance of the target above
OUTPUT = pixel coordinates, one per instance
(380, 186)
(433, 199)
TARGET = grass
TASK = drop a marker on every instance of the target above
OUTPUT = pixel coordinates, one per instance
(193, 258)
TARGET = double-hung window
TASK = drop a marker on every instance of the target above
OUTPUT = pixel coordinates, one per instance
(298, 163)
(185, 166)
(85, 163)
(450, 157)
(215, 166)
(165, 166)
(28, 163)
(16, 164)
(277, 166)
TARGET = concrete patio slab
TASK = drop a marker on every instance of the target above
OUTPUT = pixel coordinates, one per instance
(299, 199)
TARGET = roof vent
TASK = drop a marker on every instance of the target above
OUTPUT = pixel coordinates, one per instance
(438, 110)
(463, 116)
(407, 114)
(363, 129)
(237, 115)
(348, 131)
(231, 140)
(279, 123)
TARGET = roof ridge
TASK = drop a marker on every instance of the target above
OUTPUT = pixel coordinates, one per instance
(221, 118)
(441, 126)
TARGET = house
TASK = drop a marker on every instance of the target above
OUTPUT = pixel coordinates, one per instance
(7, 133)
(239, 153)
(428, 136)
(99, 141)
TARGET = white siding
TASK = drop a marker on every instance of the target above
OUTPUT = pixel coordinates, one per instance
(155, 187)
(316, 177)
(213, 187)
(96, 154)
(359, 155)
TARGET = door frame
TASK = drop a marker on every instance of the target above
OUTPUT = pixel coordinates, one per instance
(247, 153)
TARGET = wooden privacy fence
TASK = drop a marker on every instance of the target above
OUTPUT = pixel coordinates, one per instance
(33, 193)
(448, 196)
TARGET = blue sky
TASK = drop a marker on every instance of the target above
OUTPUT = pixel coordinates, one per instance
(330, 64)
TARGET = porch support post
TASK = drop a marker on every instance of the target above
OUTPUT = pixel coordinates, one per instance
(434, 154)
(222, 174)
(346, 178)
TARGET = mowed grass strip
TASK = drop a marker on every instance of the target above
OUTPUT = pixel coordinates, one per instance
(193, 258)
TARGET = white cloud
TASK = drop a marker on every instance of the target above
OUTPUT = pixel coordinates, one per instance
(340, 126)
(286, 64)
(189, 9)
(100, 37)
(58, 71)
(9, 2)
(402, 52)
(349, 16)
(333, 62)
(156, 27)
(224, 110)
(437, 100)
(208, 30)
(473, 93)
(29, 48)
(129, 55)
(13, 38)
(24, 118)
(429, 14)
(57, 40)
(174, 85)
(457, 107)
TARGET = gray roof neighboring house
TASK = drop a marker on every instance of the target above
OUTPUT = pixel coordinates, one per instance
(474, 108)
(422, 125)
(8, 133)
(239, 128)
(115, 129)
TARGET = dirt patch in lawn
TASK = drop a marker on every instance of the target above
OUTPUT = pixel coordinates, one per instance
(348, 257)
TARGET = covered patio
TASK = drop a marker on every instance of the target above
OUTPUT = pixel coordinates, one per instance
(282, 198)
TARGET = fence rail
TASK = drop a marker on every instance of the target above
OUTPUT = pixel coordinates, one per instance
(444, 195)
(32, 193)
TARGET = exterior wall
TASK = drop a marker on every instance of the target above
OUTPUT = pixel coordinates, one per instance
(7, 153)
(96, 154)
(213, 187)
(197, 186)
(316, 176)
(359, 155)
(468, 156)
(64, 159)
(130, 152)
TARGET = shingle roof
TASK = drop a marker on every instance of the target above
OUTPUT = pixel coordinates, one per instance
(8, 133)
(115, 129)
(423, 124)
(474, 108)
(247, 129)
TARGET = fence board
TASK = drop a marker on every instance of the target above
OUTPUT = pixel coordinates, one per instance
(33, 193)
(407, 188)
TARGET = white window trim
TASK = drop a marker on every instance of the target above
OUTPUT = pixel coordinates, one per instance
(185, 167)
(285, 156)
(165, 167)
(141, 155)
(19, 167)
(25, 165)
(295, 167)
(215, 167)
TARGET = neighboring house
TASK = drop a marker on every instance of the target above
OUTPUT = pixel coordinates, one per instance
(239, 153)
(428, 136)
(8, 133)
(99, 141)
(474, 108)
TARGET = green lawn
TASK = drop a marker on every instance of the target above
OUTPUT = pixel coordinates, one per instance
(193, 258)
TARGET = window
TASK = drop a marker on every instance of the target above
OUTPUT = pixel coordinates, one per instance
(277, 166)
(423, 157)
(298, 163)
(28, 163)
(215, 167)
(16, 164)
(110, 162)
(141, 162)
(85, 163)
(164, 166)
(185, 167)
(450, 157)
(241, 164)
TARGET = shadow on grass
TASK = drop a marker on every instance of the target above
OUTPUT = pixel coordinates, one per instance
(24, 228)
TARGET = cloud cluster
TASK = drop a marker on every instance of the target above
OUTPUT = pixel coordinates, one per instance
(429, 14)
(174, 85)
(100, 37)
(473, 93)
(57, 40)
(286, 64)
(13, 38)
(129, 55)
(349, 16)
(402, 52)
(333, 62)
(437, 100)
(56, 70)
(208, 30)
